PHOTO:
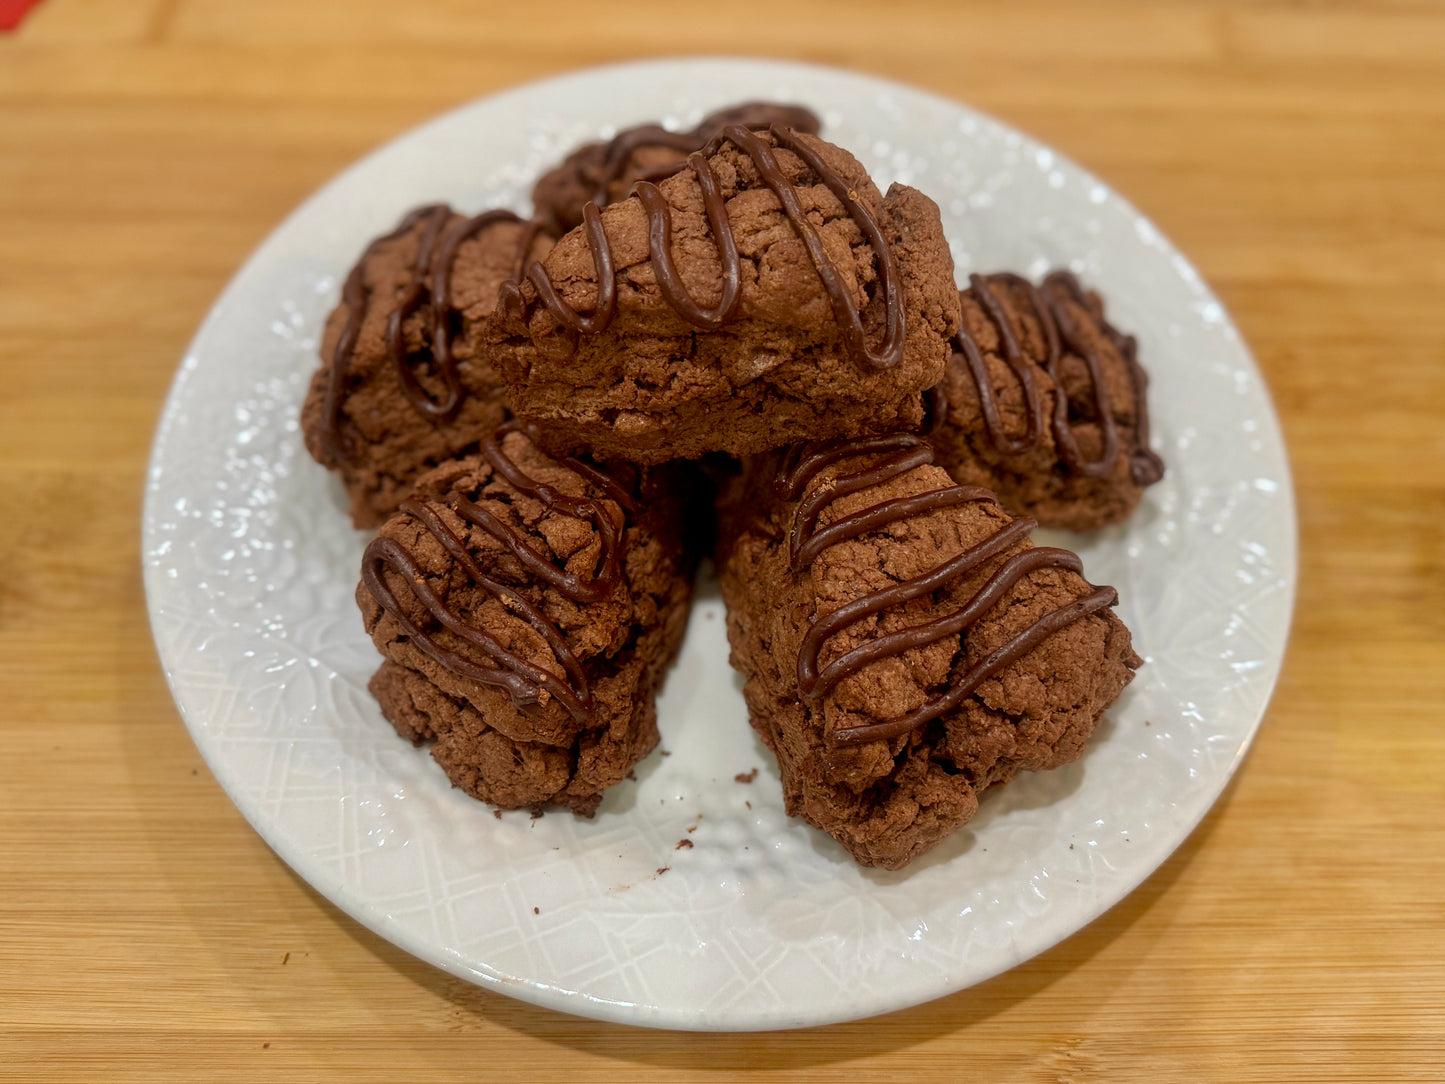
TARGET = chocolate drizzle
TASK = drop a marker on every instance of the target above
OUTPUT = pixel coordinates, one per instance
(1145, 467)
(1051, 308)
(885, 355)
(618, 153)
(896, 455)
(1014, 357)
(659, 240)
(429, 284)
(523, 681)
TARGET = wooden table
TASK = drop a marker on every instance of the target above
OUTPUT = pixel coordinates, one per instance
(1295, 151)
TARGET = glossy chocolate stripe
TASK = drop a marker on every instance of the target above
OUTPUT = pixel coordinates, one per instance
(1064, 435)
(415, 293)
(659, 238)
(606, 308)
(880, 515)
(609, 571)
(629, 141)
(897, 455)
(355, 296)
(1017, 363)
(441, 310)
(1055, 321)
(1145, 466)
(514, 600)
(524, 681)
(850, 323)
(1099, 599)
(805, 518)
(813, 685)
(890, 351)
(802, 463)
(436, 257)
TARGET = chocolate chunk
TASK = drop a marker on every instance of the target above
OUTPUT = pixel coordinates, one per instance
(905, 645)
(527, 609)
(765, 294)
(400, 387)
(1045, 403)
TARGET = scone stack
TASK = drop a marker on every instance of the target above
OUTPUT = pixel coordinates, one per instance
(522, 406)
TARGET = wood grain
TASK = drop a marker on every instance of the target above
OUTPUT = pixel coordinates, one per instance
(1293, 150)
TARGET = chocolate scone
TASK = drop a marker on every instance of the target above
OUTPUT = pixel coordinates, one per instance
(905, 645)
(400, 387)
(1045, 403)
(604, 172)
(766, 294)
(527, 609)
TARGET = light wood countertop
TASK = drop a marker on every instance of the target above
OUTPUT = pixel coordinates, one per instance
(1296, 153)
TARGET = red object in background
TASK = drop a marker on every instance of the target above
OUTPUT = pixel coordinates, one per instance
(12, 11)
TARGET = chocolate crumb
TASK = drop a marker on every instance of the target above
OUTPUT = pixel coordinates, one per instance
(662, 869)
(683, 844)
(265, 1046)
(748, 804)
(497, 813)
(745, 777)
(536, 910)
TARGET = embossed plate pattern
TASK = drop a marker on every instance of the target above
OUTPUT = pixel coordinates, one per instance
(250, 567)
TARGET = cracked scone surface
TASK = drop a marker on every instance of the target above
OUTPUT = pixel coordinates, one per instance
(563, 739)
(652, 386)
(888, 801)
(358, 418)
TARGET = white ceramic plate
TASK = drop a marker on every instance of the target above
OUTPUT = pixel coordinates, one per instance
(250, 566)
